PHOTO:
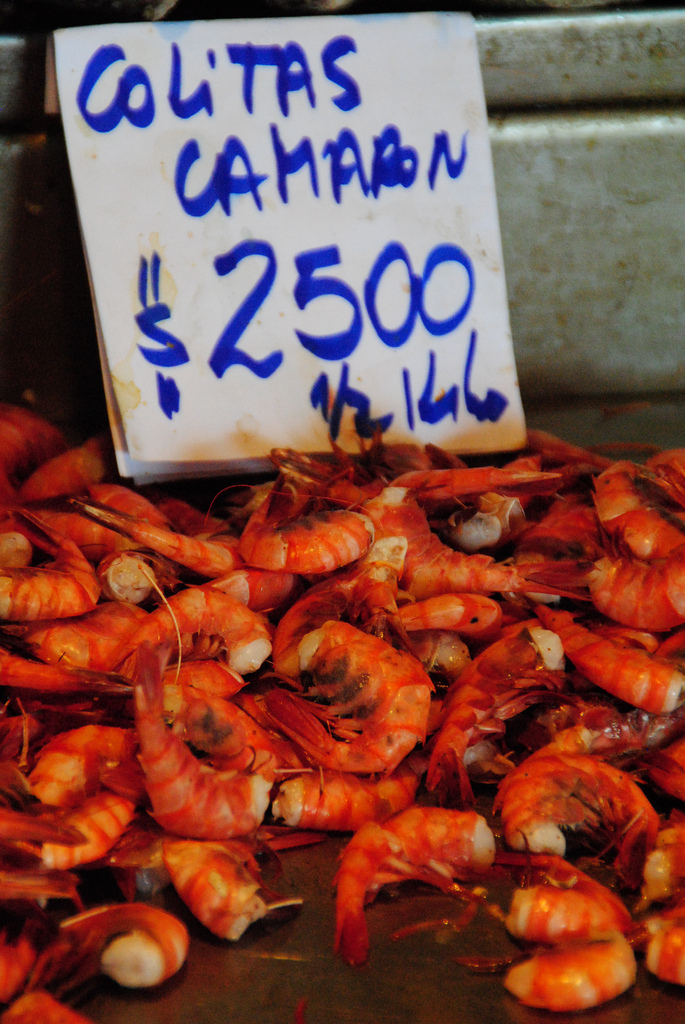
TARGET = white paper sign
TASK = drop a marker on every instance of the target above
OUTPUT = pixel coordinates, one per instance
(291, 232)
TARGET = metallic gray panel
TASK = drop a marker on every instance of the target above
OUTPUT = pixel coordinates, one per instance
(22, 77)
(540, 58)
(644, 425)
(582, 58)
(592, 213)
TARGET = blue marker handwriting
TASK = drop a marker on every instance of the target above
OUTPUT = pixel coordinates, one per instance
(287, 65)
(434, 403)
(172, 351)
(395, 162)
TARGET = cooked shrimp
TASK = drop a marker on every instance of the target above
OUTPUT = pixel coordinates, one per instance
(67, 587)
(429, 843)
(39, 825)
(313, 543)
(670, 460)
(599, 728)
(206, 675)
(135, 944)
(455, 483)
(376, 586)
(441, 651)
(673, 646)
(16, 550)
(127, 576)
(645, 595)
(41, 1006)
(377, 701)
(366, 593)
(188, 798)
(125, 499)
(664, 869)
(70, 472)
(95, 540)
(34, 675)
(19, 946)
(230, 736)
(557, 452)
(527, 658)
(564, 903)
(665, 953)
(669, 468)
(39, 884)
(136, 859)
(327, 600)
(666, 768)
(71, 766)
(26, 441)
(551, 791)
(637, 511)
(209, 558)
(184, 517)
(85, 641)
(101, 819)
(630, 637)
(431, 567)
(574, 977)
(471, 615)
(342, 802)
(208, 623)
(496, 520)
(260, 589)
(569, 529)
(219, 882)
(337, 475)
(633, 675)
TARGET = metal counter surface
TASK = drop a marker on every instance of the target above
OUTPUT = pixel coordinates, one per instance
(591, 57)
(265, 974)
(408, 980)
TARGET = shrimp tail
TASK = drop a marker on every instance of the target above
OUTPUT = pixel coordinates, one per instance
(35, 675)
(151, 662)
(565, 577)
(36, 828)
(636, 844)
(38, 532)
(294, 716)
(40, 885)
(352, 937)
(447, 775)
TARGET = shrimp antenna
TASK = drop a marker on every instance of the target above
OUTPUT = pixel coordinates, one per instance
(25, 737)
(155, 586)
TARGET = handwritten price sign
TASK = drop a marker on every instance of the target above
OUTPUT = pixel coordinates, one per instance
(291, 232)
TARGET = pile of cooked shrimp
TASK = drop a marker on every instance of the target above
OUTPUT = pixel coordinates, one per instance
(357, 645)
